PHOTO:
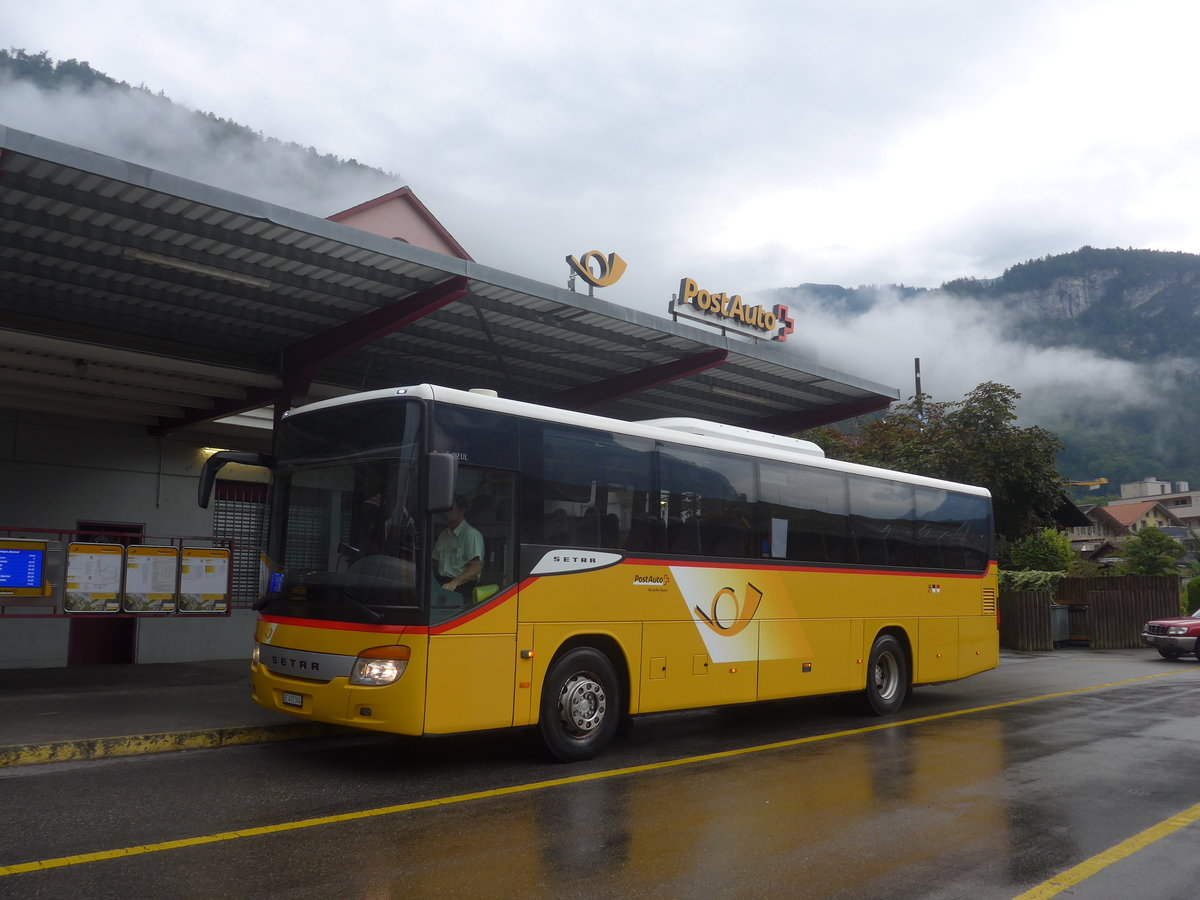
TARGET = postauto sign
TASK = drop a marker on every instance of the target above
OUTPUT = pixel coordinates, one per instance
(730, 312)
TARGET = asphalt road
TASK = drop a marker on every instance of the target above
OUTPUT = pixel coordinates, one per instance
(1070, 772)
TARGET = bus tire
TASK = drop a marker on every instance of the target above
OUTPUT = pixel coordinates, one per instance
(887, 676)
(581, 705)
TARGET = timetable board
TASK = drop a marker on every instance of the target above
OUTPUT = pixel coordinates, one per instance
(94, 575)
(151, 579)
(204, 580)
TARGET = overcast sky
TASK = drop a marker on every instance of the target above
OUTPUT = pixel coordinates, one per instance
(749, 145)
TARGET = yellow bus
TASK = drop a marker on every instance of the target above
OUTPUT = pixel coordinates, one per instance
(445, 561)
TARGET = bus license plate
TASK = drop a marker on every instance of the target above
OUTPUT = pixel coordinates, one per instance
(293, 699)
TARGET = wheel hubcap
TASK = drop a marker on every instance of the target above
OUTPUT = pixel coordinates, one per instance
(581, 704)
(887, 676)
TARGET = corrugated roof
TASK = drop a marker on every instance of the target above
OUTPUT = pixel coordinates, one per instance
(132, 295)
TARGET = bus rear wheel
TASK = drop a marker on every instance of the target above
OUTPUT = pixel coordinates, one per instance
(887, 676)
(581, 705)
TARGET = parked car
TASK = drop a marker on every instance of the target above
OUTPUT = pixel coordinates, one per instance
(1173, 638)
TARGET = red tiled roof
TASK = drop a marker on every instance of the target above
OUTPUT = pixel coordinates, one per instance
(1128, 513)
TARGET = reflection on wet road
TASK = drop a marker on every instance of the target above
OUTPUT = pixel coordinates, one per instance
(987, 800)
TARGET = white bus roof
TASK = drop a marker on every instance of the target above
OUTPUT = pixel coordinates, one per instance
(734, 433)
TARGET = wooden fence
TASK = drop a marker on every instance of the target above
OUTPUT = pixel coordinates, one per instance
(1025, 620)
(1105, 613)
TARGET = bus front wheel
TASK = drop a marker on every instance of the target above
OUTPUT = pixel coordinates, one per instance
(581, 705)
(887, 676)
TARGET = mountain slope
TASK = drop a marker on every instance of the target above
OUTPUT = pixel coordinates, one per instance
(1132, 304)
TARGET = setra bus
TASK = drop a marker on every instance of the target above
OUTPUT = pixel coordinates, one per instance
(609, 569)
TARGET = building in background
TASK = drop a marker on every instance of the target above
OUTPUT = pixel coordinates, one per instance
(1174, 497)
(400, 216)
(1100, 537)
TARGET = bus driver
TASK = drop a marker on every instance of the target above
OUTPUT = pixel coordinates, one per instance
(458, 552)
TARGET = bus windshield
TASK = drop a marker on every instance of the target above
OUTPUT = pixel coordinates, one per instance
(346, 537)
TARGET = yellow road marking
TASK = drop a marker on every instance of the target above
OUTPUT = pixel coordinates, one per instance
(1090, 867)
(99, 856)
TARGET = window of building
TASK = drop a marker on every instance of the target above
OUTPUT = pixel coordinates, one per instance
(239, 510)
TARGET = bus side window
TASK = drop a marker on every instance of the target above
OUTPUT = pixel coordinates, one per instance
(955, 530)
(710, 500)
(804, 514)
(585, 488)
(882, 515)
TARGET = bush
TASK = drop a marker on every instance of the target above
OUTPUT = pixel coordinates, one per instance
(1031, 581)
(1044, 550)
(1150, 552)
(1192, 596)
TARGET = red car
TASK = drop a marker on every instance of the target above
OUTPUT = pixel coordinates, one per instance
(1173, 638)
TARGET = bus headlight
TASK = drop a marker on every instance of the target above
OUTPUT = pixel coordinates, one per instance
(379, 666)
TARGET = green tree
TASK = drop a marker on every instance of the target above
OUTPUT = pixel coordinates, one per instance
(1150, 552)
(975, 440)
(1044, 550)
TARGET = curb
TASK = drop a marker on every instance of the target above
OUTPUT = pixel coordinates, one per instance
(143, 744)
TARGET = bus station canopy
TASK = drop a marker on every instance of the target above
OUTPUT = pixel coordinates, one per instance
(131, 295)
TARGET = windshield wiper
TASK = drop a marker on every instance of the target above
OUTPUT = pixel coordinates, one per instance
(373, 614)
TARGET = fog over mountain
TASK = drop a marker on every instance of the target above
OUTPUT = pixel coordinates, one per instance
(962, 342)
(135, 125)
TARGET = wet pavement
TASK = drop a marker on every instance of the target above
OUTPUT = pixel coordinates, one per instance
(97, 711)
(1057, 766)
(88, 712)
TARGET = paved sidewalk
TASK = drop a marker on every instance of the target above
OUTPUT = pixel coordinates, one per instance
(90, 712)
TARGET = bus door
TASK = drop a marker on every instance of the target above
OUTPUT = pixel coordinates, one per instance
(472, 641)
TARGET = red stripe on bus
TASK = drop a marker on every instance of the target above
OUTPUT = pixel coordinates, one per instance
(778, 567)
(344, 626)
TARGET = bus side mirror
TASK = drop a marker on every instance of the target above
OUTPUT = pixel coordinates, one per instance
(443, 474)
(214, 464)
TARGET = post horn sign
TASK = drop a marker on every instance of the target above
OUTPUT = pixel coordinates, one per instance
(609, 268)
(731, 313)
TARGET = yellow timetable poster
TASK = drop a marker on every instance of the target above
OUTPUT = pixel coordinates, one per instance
(204, 580)
(93, 582)
(151, 577)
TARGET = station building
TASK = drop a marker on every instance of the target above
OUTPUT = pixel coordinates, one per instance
(147, 320)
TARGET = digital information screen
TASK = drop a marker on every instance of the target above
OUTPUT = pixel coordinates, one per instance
(22, 564)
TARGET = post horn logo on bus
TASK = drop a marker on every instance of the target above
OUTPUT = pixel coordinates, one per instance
(728, 615)
(730, 312)
(609, 268)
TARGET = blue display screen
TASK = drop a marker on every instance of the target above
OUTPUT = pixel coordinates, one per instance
(21, 568)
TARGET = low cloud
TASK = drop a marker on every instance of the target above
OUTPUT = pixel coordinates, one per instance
(142, 128)
(962, 343)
